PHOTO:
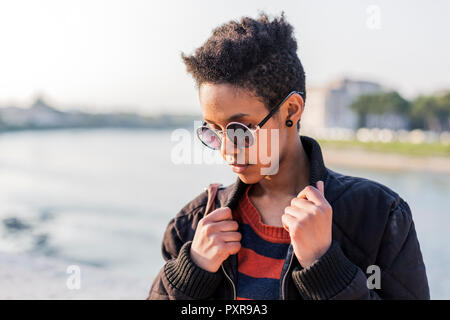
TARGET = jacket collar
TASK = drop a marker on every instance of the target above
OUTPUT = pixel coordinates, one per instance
(318, 171)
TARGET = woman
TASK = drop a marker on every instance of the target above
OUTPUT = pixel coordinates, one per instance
(288, 228)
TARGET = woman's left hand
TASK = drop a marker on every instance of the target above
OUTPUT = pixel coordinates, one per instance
(308, 220)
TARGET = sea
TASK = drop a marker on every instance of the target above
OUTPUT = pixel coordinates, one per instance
(83, 212)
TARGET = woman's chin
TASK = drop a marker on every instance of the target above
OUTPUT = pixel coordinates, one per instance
(250, 175)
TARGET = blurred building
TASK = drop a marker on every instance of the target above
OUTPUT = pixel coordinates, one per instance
(329, 106)
(39, 114)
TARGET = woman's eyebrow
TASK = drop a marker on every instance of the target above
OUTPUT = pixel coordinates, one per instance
(237, 116)
(233, 117)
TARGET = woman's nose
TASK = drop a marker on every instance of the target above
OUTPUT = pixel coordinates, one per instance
(228, 148)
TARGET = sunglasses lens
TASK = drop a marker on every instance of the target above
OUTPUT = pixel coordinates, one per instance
(240, 135)
(209, 138)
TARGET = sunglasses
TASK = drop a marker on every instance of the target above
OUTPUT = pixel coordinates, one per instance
(238, 133)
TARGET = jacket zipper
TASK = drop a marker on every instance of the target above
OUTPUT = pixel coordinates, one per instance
(232, 283)
(283, 295)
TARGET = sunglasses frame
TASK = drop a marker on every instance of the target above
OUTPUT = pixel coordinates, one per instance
(220, 134)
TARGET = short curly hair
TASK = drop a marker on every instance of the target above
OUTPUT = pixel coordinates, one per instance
(256, 54)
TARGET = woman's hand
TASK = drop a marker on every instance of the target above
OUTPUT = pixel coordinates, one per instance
(308, 220)
(215, 239)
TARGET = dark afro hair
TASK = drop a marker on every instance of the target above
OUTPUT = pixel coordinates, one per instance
(259, 55)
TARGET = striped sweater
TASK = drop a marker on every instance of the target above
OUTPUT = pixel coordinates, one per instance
(262, 254)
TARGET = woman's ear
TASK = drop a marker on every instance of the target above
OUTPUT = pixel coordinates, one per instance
(295, 106)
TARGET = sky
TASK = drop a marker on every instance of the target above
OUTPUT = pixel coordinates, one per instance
(124, 55)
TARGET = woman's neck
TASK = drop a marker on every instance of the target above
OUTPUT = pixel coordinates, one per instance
(291, 178)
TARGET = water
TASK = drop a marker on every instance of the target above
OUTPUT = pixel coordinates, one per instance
(101, 199)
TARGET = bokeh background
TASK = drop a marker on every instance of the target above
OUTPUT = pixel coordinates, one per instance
(93, 94)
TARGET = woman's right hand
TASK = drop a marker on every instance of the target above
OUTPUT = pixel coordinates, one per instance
(215, 239)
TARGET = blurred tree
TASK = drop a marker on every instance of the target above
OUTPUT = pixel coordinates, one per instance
(443, 111)
(431, 112)
(379, 103)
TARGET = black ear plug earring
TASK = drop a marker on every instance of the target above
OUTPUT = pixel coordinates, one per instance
(289, 123)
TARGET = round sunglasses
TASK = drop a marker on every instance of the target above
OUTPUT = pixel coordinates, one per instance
(238, 133)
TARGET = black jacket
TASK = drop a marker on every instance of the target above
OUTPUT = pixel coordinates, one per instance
(372, 225)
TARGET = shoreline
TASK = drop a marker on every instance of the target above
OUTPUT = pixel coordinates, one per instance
(358, 158)
(335, 153)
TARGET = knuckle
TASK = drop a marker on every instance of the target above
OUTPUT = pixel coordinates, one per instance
(214, 238)
(226, 211)
(329, 209)
(293, 201)
(201, 222)
(216, 250)
(214, 212)
(324, 209)
(207, 229)
(235, 246)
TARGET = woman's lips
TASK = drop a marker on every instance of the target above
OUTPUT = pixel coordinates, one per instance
(239, 168)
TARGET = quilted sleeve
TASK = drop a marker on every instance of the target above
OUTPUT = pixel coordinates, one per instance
(403, 274)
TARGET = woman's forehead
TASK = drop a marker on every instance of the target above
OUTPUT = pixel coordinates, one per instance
(225, 102)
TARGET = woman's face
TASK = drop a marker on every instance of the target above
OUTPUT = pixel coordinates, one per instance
(222, 104)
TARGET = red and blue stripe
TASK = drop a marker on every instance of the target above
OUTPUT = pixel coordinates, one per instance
(262, 255)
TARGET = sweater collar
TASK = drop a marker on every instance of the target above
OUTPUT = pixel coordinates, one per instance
(317, 172)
